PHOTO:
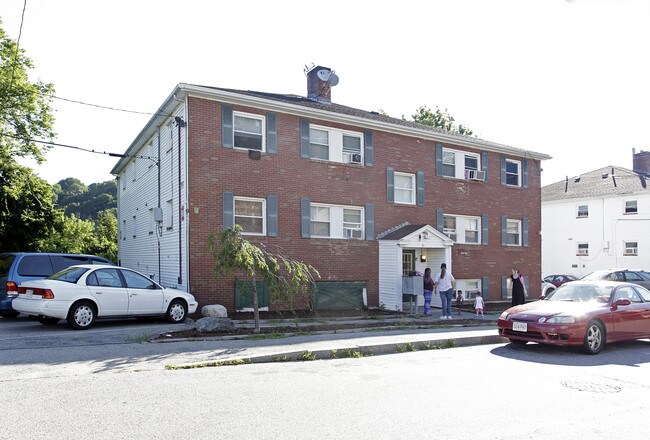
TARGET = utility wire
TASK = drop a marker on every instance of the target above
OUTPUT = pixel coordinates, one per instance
(13, 67)
(106, 107)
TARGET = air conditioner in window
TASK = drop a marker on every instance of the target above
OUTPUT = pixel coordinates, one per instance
(474, 175)
(583, 251)
(351, 233)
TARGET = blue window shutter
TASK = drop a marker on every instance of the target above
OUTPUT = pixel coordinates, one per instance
(227, 128)
(438, 159)
(484, 164)
(524, 173)
(485, 287)
(485, 228)
(370, 221)
(272, 216)
(504, 287)
(503, 170)
(504, 230)
(420, 187)
(304, 138)
(305, 217)
(271, 133)
(524, 231)
(390, 184)
(369, 146)
(440, 220)
(228, 214)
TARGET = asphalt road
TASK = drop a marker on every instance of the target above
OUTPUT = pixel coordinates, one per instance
(496, 391)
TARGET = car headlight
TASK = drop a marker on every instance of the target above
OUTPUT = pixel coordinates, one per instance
(505, 315)
(561, 320)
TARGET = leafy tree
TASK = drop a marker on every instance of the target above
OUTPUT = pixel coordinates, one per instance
(27, 213)
(440, 119)
(70, 235)
(106, 234)
(83, 201)
(284, 277)
(26, 209)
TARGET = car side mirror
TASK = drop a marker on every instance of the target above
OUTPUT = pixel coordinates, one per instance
(623, 302)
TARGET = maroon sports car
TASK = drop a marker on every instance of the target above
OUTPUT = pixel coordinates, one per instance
(581, 313)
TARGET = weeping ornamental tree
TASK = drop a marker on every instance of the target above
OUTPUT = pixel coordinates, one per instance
(284, 277)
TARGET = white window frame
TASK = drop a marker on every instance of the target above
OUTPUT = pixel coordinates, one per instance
(630, 250)
(337, 152)
(169, 214)
(410, 191)
(134, 226)
(518, 164)
(123, 178)
(459, 233)
(123, 230)
(626, 207)
(151, 222)
(469, 287)
(582, 249)
(134, 170)
(459, 162)
(263, 216)
(319, 144)
(337, 225)
(450, 232)
(585, 211)
(510, 222)
(261, 118)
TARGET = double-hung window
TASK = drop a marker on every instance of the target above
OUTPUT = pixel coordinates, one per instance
(461, 164)
(513, 172)
(462, 229)
(631, 248)
(333, 221)
(583, 249)
(249, 131)
(583, 211)
(335, 145)
(405, 188)
(513, 232)
(250, 214)
(631, 207)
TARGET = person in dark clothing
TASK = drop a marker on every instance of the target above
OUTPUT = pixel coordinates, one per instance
(518, 289)
(428, 291)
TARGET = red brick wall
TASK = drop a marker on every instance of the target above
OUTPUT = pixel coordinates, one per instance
(214, 169)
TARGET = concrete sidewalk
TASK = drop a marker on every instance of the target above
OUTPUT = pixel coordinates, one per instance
(344, 343)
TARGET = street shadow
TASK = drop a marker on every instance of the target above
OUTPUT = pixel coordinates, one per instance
(630, 353)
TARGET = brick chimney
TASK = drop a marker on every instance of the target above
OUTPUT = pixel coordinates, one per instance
(641, 162)
(320, 81)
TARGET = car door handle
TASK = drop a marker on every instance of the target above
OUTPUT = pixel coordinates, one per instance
(98, 293)
(133, 294)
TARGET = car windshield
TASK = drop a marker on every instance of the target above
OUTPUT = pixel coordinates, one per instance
(598, 275)
(69, 275)
(581, 293)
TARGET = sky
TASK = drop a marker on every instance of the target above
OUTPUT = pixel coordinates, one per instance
(568, 78)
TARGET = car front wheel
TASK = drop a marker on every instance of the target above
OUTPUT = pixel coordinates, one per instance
(177, 312)
(594, 338)
(81, 315)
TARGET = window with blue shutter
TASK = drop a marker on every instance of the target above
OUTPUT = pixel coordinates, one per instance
(228, 210)
(440, 220)
(390, 184)
(485, 288)
(272, 216)
(420, 188)
(503, 169)
(504, 230)
(305, 217)
(227, 133)
(484, 164)
(438, 159)
(271, 133)
(485, 227)
(524, 231)
(304, 138)
(369, 148)
(524, 173)
(370, 221)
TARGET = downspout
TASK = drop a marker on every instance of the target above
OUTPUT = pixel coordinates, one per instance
(180, 123)
(159, 227)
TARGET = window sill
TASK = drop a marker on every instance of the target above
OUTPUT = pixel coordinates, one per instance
(630, 213)
(630, 255)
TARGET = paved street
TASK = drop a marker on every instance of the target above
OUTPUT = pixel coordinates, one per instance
(483, 392)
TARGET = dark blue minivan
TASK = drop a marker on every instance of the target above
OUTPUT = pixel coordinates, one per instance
(16, 267)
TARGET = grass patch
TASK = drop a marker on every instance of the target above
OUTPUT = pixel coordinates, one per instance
(244, 361)
(306, 356)
(261, 336)
(139, 339)
(284, 358)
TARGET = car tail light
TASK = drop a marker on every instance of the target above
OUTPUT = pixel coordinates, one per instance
(45, 293)
(11, 288)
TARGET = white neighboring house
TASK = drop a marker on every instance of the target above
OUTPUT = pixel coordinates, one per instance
(598, 220)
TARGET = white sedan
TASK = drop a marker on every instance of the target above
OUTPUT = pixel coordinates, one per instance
(80, 294)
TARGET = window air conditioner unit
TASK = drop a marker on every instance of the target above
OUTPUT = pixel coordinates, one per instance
(475, 175)
(351, 233)
(355, 158)
(583, 251)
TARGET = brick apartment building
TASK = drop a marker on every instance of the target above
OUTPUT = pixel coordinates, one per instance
(363, 197)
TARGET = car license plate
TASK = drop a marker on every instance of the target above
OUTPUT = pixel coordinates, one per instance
(29, 293)
(520, 326)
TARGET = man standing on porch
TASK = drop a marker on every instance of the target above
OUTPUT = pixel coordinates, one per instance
(445, 285)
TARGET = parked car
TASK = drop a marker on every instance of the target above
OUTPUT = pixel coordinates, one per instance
(16, 267)
(558, 280)
(582, 313)
(547, 288)
(640, 277)
(80, 294)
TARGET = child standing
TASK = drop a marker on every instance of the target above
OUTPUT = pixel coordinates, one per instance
(459, 300)
(479, 304)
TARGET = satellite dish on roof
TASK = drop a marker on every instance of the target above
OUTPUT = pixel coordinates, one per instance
(324, 74)
(333, 79)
